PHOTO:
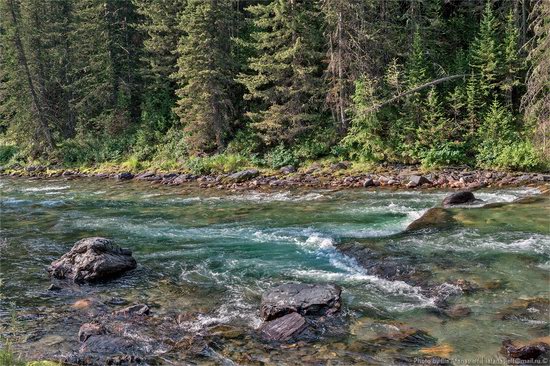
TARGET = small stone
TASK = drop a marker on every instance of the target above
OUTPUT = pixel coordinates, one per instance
(287, 169)
(458, 311)
(124, 176)
(89, 329)
(54, 287)
(368, 183)
(138, 309)
(417, 180)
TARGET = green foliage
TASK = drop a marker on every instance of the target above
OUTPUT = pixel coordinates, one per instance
(8, 358)
(284, 80)
(89, 150)
(216, 164)
(151, 83)
(446, 154)
(205, 74)
(6, 153)
(280, 156)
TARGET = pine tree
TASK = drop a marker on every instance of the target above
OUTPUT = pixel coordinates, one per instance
(92, 72)
(511, 63)
(412, 113)
(484, 56)
(284, 78)
(25, 92)
(205, 74)
(536, 100)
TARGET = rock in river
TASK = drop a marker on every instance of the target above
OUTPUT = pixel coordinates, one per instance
(92, 259)
(460, 198)
(284, 327)
(533, 351)
(434, 218)
(305, 299)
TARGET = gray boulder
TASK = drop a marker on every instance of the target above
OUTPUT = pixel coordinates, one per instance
(417, 180)
(287, 169)
(243, 175)
(124, 176)
(305, 299)
(92, 259)
(460, 198)
(283, 328)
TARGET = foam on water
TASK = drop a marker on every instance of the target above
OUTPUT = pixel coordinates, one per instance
(46, 189)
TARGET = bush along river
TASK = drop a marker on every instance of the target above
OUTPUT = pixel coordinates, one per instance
(185, 276)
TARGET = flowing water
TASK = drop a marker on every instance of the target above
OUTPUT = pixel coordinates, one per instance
(214, 253)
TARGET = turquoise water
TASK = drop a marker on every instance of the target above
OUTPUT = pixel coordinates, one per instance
(215, 253)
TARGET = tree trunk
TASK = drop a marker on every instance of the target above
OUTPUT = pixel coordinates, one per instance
(43, 124)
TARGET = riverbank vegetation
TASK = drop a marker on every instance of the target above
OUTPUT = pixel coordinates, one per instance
(221, 85)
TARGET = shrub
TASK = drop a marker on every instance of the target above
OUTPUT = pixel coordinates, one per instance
(132, 164)
(6, 153)
(219, 163)
(279, 157)
(449, 153)
(518, 155)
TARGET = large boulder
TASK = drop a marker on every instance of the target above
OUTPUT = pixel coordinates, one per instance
(243, 176)
(460, 198)
(434, 218)
(305, 299)
(92, 259)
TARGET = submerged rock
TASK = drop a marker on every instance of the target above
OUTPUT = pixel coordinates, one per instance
(305, 299)
(283, 328)
(533, 351)
(90, 329)
(532, 310)
(460, 198)
(436, 217)
(138, 309)
(92, 259)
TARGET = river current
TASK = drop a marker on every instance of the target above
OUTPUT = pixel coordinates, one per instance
(214, 253)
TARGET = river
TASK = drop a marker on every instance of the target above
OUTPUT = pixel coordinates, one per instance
(213, 253)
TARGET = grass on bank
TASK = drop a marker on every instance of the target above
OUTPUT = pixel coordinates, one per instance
(116, 156)
(9, 358)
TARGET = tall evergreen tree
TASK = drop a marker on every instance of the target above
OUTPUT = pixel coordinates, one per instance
(284, 77)
(536, 100)
(205, 73)
(484, 57)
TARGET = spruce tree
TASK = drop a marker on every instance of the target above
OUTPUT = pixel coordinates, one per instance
(511, 64)
(484, 58)
(205, 73)
(285, 73)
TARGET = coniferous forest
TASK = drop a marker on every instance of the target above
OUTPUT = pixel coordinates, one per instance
(219, 84)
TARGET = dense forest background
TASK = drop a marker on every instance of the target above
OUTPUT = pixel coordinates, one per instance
(219, 84)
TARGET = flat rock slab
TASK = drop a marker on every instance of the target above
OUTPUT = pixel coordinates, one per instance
(92, 259)
(305, 299)
(243, 176)
(284, 327)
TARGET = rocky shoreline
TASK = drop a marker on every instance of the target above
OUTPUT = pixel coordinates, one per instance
(338, 175)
